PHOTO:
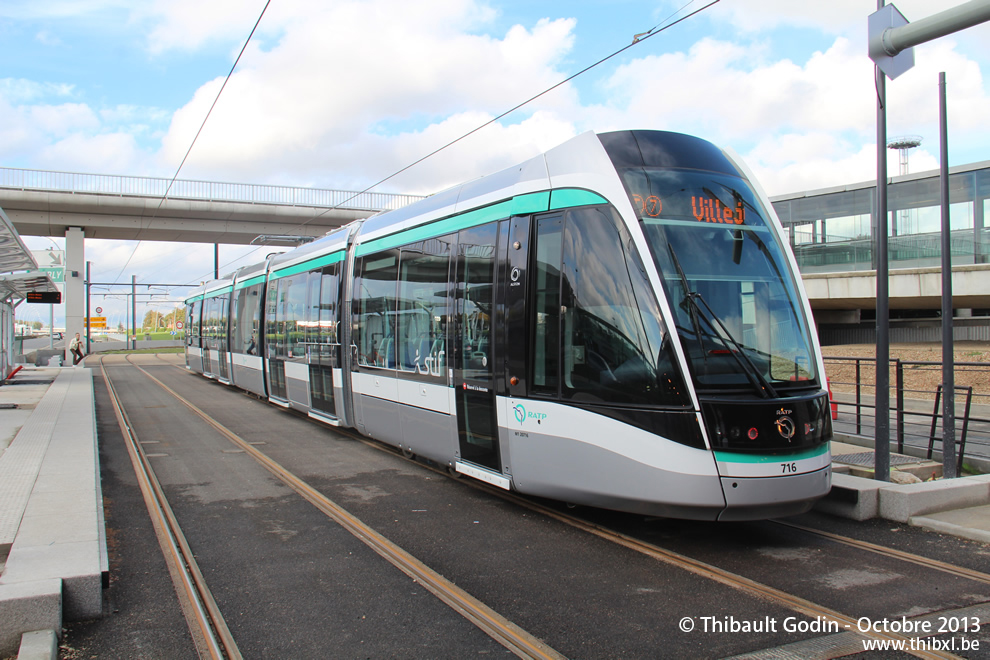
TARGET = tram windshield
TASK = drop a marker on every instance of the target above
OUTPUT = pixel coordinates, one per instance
(729, 284)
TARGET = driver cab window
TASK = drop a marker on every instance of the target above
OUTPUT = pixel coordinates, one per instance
(598, 334)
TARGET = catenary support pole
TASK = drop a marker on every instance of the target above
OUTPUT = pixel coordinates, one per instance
(881, 451)
(89, 317)
(133, 312)
(948, 361)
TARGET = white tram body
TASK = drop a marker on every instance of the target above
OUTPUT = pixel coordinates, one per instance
(617, 322)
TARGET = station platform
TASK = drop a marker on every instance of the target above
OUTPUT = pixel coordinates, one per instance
(53, 551)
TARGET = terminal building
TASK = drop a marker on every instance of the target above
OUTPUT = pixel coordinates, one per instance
(832, 234)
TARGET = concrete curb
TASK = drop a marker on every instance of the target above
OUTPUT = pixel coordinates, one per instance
(901, 503)
(952, 529)
(57, 558)
(38, 645)
(28, 606)
(861, 499)
(851, 497)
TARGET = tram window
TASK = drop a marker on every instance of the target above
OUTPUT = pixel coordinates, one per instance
(422, 307)
(273, 340)
(233, 322)
(194, 323)
(374, 309)
(546, 336)
(329, 293)
(245, 320)
(222, 317)
(611, 331)
(475, 297)
(292, 314)
(312, 321)
(209, 318)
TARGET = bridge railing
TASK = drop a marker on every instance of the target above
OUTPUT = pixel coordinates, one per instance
(212, 191)
(915, 403)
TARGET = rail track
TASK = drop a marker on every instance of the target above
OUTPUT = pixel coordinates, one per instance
(519, 641)
(206, 623)
(209, 620)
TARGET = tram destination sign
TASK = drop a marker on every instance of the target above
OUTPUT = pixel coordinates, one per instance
(46, 297)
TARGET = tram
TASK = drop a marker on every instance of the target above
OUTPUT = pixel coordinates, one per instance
(615, 323)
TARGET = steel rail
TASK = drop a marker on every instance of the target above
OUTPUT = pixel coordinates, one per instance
(703, 569)
(206, 615)
(926, 562)
(520, 642)
(728, 578)
(696, 567)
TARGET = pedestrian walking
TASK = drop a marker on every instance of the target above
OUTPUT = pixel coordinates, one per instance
(75, 347)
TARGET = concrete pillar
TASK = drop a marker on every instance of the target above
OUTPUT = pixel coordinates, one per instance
(75, 288)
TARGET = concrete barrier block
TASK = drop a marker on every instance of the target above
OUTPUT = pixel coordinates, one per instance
(38, 645)
(900, 503)
(851, 497)
(25, 607)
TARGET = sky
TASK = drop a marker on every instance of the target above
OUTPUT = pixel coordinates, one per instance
(341, 94)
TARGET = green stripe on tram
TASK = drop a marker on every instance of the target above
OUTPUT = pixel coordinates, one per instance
(218, 292)
(519, 205)
(733, 457)
(195, 299)
(568, 197)
(243, 284)
(312, 264)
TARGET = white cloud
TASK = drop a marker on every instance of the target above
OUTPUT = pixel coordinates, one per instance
(833, 17)
(18, 90)
(101, 153)
(56, 9)
(715, 91)
(328, 102)
(189, 24)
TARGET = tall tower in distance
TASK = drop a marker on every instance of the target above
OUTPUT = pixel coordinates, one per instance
(904, 144)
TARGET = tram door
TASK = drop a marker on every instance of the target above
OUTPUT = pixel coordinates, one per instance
(223, 331)
(474, 363)
(323, 344)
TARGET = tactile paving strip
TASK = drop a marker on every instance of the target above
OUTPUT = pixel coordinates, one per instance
(866, 458)
(21, 462)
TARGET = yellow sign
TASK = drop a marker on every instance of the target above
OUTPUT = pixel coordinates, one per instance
(96, 321)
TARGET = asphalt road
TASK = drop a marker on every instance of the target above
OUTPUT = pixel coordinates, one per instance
(293, 584)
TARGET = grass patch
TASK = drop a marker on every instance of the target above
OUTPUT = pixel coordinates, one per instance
(170, 349)
(161, 336)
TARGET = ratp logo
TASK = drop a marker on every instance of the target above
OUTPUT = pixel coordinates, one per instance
(522, 414)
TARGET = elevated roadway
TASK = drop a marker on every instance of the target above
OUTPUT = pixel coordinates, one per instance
(43, 203)
(910, 288)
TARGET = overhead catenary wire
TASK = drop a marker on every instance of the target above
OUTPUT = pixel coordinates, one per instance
(637, 39)
(643, 36)
(196, 137)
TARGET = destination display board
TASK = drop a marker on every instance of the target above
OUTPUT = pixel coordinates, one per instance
(46, 297)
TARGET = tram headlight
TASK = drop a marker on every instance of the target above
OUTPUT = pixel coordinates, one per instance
(753, 433)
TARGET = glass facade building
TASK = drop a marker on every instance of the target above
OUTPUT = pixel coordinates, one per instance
(832, 230)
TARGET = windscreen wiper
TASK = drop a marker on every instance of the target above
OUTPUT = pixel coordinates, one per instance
(700, 306)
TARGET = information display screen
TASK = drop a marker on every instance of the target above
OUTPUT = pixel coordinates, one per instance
(46, 297)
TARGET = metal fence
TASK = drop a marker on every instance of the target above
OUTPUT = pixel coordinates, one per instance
(915, 403)
(213, 191)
